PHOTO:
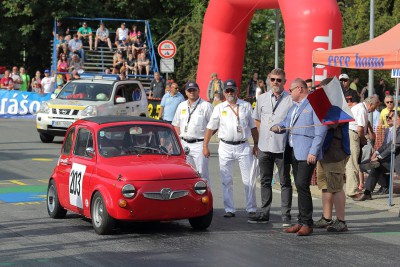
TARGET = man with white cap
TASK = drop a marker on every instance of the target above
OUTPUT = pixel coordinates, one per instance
(234, 122)
(351, 96)
(190, 121)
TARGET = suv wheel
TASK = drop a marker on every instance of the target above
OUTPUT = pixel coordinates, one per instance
(46, 138)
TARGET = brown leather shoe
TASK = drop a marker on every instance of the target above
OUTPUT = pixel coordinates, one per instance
(305, 230)
(356, 196)
(363, 197)
(293, 229)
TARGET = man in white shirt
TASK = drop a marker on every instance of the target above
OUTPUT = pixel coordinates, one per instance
(102, 35)
(235, 124)
(48, 82)
(16, 78)
(190, 121)
(357, 133)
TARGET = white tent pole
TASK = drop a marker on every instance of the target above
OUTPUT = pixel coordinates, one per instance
(393, 147)
(371, 36)
(276, 38)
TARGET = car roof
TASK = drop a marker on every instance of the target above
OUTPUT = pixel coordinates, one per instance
(113, 118)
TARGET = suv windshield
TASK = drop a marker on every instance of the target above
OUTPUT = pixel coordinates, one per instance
(86, 91)
(137, 139)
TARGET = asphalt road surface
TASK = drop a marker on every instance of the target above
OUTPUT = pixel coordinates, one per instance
(28, 237)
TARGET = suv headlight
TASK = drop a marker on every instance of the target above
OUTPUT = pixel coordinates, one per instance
(128, 191)
(89, 111)
(44, 108)
(200, 188)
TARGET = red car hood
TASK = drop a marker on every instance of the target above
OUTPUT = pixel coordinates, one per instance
(146, 169)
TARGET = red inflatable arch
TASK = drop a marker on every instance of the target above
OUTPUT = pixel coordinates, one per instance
(309, 25)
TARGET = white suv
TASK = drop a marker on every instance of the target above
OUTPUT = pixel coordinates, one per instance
(86, 98)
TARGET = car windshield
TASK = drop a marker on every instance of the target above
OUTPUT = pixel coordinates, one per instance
(86, 91)
(137, 139)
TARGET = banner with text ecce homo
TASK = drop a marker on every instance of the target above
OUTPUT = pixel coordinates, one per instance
(20, 104)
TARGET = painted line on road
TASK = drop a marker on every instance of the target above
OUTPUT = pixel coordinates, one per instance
(42, 159)
(17, 182)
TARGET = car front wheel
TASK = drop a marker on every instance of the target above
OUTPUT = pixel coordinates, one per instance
(103, 223)
(46, 138)
(202, 222)
(54, 208)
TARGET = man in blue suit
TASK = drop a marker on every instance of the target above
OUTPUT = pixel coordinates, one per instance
(305, 136)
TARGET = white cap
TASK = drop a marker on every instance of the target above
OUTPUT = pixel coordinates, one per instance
(344, 76)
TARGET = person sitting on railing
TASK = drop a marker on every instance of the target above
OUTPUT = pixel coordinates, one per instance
(118, 63)
(138, 46)
(61, 30)
(131, 64)
(123, 46)
(134, 33)
(61, 45)
(143, 62)
(75, 47)
(121, 33)
(85, 33)
(76, 64)
(102, 37)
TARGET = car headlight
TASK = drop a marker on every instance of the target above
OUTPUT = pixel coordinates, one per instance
(200, 188)
(128, 191)
(89, 111)
(44, 108)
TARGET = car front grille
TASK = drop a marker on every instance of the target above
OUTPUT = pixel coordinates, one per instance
(166, 194)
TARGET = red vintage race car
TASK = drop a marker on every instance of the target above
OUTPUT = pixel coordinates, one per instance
(126, 168)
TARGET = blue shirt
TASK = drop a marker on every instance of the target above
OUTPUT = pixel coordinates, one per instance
(170, 104)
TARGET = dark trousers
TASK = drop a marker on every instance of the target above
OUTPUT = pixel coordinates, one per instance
(375, 175)
(266, 164)
(302, 173)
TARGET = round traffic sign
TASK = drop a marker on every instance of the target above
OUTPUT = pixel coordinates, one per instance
(167, 49)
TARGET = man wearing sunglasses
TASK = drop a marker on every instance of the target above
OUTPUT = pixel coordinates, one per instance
(305, 135)
(234, 123)
(389, 102)
(271, 108)
(350, 95)
(190, 121)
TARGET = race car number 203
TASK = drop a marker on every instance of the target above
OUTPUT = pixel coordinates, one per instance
(75, 184)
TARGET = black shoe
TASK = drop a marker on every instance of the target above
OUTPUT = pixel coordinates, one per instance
(229, 214)
(260, 218)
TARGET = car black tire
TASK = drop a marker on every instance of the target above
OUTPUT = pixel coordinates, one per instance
(46, 138)
(202, 222)
(54, 208)
(102, 222)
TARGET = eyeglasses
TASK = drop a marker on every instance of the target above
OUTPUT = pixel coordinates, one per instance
(174, 87)
(294, 88)
(229, 90)
(191, 90)
(389, 102)
(389, 117)
(344, 80)
(276, 79)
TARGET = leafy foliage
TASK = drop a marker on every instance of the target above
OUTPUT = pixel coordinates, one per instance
(25, 31)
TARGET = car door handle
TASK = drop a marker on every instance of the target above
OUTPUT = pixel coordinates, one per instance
(126, 107)
(66, 163)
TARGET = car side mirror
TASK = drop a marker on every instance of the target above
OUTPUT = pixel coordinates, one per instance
(53, 96)
(120, 100)
(90, 152)
(186, 150)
